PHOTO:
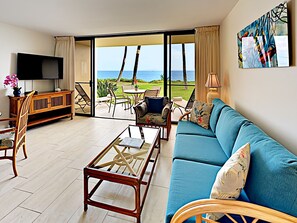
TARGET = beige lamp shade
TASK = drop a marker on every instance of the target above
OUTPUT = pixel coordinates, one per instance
(212, 81)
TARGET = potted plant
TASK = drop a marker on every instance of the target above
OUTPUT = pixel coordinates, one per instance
(136, 85)
(12, 80)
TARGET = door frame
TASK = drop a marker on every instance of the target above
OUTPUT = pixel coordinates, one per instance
(92, 75)
(93, 78)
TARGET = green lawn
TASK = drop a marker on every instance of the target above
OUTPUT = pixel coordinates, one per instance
(176, 91)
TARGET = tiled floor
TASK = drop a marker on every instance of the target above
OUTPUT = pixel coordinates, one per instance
(49, 187)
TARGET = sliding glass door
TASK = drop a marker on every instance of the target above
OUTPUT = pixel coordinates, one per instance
(123, 62)
(84, 78)
(180, 70)
(163, 61)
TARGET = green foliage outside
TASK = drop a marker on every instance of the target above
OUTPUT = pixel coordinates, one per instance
(176, 91)
(103, 85)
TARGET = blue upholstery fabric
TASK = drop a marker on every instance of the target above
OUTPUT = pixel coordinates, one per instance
(190, 128)
(249, 133)
(199, 148)
(155, 105)
(228, 127)
(189, 181)
(272, 177)
(218, 105)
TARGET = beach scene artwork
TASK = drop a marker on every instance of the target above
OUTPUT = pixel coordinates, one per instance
(264, 43)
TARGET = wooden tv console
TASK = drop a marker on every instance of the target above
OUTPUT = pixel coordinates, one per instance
(45, 107)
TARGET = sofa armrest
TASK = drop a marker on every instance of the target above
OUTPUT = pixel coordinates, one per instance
(244, 209)
(187, 114)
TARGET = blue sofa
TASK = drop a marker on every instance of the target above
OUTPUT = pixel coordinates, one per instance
(200, 153)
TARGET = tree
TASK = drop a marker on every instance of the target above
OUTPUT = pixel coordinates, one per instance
(123, 65)
(184, 66)
(136, 64)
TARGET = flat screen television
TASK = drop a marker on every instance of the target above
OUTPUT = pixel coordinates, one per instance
(39, 67)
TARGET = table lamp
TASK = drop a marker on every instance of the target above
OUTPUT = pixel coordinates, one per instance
(213, 84)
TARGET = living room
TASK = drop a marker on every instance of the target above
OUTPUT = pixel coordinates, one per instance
(55, 147)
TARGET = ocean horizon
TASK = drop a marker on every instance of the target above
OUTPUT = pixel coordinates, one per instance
(145, 75)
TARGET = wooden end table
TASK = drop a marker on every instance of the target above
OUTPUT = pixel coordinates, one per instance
(124, 165)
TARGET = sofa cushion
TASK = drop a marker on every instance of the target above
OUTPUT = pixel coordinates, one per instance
(200, 113)
(152, 118)
(228, 127)
(231, 178)
(249, 133)
(7, 139)
(190, 128)
(199, 148)
(189, 181)
(218, 105)
(272, 177)
(154, 104)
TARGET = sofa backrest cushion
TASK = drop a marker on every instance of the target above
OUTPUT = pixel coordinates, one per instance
(249, 133)
(156, 104)
(272, 177)
(228, 127)
(218, 105)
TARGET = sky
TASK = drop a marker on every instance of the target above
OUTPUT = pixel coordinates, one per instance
(150, 57)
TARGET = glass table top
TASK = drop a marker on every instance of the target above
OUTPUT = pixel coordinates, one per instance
(129, 152)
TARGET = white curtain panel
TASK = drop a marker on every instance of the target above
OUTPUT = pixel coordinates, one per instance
(207, 50)
(65, 47)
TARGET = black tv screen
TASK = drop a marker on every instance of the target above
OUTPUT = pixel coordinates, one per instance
(39, 67)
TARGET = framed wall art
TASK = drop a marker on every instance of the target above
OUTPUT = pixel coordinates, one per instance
(265, 42)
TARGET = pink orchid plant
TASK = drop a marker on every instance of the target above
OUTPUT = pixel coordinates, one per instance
(12, 81)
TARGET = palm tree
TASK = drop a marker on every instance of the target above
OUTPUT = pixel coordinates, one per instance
(123, 65)
(136, 64)
(184, 66)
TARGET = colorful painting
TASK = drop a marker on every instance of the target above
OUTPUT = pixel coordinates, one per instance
(264, 43)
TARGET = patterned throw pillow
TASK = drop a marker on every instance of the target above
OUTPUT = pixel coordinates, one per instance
(231, 178)
(200, 113)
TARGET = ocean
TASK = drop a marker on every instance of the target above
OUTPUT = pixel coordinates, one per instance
(145, 75)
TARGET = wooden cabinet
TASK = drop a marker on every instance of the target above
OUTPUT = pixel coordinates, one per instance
(45, 107)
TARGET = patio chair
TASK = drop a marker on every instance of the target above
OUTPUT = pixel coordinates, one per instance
(151, 93)
(155, 112)
(157, 88)
(180, 103)
(82, 99)
(119, 99)
(12, 139)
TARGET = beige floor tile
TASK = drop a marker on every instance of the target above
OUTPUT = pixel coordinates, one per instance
(43, 176)
(20, 215)
(161, 176)
(34, 164)
(110, 219)
(11, 200)
(64, 206)
(9, 182)
(155, 205)
(43, 197)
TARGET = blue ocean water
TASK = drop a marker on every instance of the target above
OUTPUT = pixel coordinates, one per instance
(145, 75)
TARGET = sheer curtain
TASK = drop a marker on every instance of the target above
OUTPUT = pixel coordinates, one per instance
(65, 47)
(207, 49)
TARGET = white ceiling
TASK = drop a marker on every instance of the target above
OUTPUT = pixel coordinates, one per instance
(96, 17)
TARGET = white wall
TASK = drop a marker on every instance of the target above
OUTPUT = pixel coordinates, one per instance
(266, 96)
(13, 40)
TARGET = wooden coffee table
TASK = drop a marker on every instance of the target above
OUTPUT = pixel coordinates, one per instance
(125, 165)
